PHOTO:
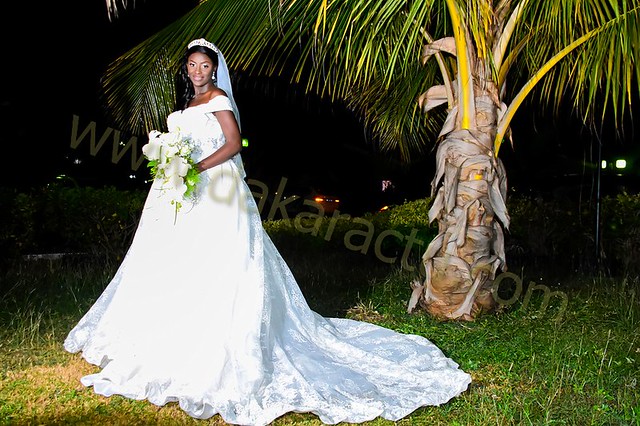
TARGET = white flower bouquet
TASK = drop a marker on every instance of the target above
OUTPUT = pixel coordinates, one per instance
(170, 160)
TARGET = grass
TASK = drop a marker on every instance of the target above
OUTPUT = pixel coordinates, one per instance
(529, 366)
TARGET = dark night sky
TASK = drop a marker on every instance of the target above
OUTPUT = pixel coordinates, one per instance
(55, 59)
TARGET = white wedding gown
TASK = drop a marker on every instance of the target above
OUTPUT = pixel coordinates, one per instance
(204, 311)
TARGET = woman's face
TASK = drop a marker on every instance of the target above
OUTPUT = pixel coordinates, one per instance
(200, 69)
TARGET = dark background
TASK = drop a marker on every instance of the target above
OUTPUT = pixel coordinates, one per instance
(56, 52)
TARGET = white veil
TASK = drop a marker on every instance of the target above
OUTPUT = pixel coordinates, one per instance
(224, 82)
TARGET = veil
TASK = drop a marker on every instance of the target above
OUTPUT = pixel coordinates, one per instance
(224, 82)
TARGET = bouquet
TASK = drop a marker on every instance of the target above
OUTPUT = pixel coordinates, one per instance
(170, 160)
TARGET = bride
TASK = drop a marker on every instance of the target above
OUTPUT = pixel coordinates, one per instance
(205, 312)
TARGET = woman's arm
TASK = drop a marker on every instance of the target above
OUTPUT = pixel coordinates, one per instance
(231, 147)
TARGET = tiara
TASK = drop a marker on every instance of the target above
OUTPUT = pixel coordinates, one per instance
(203, 42)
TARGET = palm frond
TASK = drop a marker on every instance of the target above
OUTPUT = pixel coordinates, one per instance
(138, 86)
(602, 73)
(364, 51)
(342, 49)
(393, 117)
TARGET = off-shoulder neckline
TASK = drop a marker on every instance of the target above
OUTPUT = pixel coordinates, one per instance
(205, 103)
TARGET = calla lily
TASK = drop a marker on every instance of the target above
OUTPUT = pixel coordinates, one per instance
(170, 159)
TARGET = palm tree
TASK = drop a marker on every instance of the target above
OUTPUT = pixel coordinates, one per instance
(461, 68)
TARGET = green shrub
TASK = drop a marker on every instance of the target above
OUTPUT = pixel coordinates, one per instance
(410, 219)
(17, 222)
(96, 221)
(563, 233)
(407, 222)
(549, 232)
(621, 232)
(102, 221)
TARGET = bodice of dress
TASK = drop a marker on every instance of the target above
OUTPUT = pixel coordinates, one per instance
(201, 124)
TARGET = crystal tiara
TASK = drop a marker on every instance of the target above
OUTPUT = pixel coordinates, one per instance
(203, 42)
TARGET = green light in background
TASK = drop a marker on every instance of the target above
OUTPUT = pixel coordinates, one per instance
(245, 142)
(621, 164)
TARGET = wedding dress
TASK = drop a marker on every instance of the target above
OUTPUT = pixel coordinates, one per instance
(204, 311)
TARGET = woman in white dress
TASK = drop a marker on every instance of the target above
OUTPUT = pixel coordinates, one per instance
(204, 310)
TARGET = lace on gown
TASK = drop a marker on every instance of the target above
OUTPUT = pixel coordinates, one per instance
(204, 311)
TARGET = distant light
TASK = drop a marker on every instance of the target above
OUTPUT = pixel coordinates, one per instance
(318, 199)
(132, 176)
(603, 164)
(621, 164)
(384, 208)
(245, 142)
(77, 161)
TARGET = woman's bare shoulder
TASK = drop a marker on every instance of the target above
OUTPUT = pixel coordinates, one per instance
(217, 92)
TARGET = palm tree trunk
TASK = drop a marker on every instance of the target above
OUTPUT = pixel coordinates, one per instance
(462, 260)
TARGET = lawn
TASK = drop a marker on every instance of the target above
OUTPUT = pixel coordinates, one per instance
(573, 365)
